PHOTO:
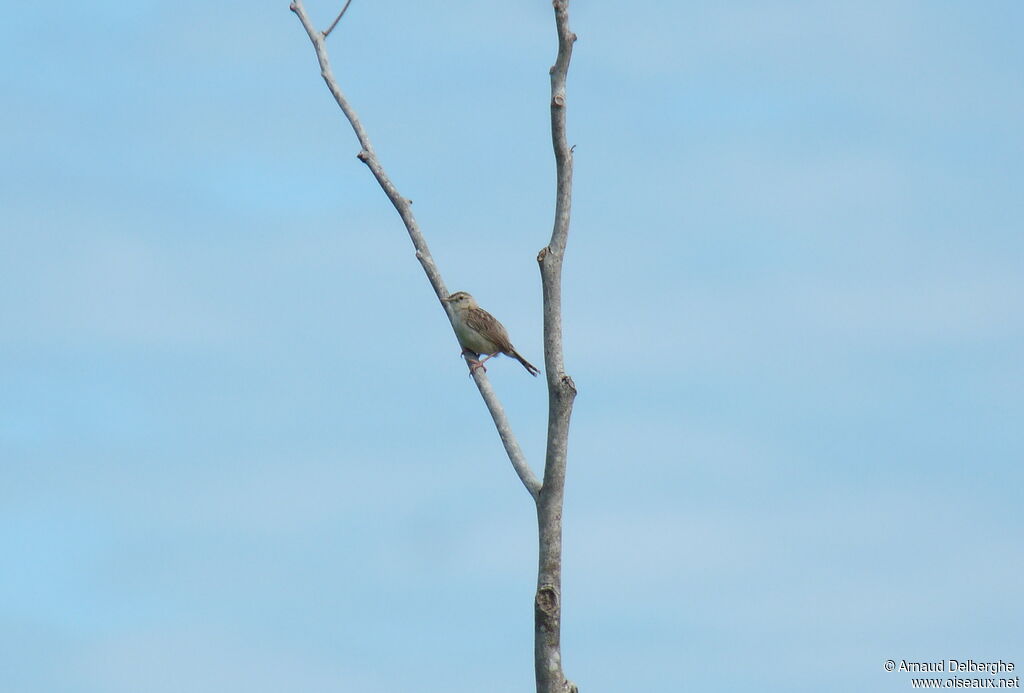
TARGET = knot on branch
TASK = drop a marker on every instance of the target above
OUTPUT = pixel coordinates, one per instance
(568, 385)
(542, 254)
(546, 601)
(363, 156)
(558, 101)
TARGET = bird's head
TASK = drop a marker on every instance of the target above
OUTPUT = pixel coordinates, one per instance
(460, 299)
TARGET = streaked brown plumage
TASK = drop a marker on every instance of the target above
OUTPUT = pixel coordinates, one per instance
(479, 332)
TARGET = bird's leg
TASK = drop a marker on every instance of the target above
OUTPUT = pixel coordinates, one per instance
(474, 361)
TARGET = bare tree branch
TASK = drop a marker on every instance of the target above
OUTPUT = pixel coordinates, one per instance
(404, 208)
(337, 19)
(561, 389)
(369, 157)
(508, 439)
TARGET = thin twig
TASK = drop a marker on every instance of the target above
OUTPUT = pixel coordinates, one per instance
(404, 208)
(337, 19)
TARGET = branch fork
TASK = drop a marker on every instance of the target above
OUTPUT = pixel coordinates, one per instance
(547, 495)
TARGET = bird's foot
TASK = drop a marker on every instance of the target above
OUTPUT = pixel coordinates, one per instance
(473, 361)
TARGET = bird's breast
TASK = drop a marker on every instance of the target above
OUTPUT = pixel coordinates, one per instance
(471, 339)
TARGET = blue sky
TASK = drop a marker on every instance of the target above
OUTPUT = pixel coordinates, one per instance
(239, 452)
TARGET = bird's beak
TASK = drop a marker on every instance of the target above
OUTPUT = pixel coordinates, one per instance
(447, 299)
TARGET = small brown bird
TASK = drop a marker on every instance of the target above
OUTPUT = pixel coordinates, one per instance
(479, 332)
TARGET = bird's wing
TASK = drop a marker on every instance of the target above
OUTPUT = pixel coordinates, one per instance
(487, 325)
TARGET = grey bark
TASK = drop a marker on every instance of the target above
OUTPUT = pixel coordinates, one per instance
(548, 495)
(561, 389)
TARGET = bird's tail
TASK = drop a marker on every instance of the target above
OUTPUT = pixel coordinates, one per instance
(530, 368)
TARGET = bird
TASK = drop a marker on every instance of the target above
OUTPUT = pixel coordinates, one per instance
(479, 332)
